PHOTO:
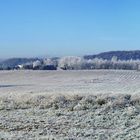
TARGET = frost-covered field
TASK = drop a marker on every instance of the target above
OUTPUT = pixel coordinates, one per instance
(99, 104)
(84, 82)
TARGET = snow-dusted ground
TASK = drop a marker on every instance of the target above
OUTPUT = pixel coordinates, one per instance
(98, 104)
(85, 82)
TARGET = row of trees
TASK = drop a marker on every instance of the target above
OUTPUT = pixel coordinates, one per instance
(45, 64)
(79, 63)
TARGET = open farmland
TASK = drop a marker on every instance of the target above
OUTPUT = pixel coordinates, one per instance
(83, 82)
(98, 104)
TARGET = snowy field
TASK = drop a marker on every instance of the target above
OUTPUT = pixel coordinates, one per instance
(71, 105)
(78, 82)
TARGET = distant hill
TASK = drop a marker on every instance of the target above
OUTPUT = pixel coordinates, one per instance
(121, 55)
(15, 61)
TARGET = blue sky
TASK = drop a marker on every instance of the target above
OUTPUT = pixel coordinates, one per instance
(68, 27)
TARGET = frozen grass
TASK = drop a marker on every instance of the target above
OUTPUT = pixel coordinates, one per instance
(65, 101)
(70, 105)
(70, 117)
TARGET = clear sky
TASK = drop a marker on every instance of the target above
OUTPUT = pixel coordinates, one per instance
(68, 27)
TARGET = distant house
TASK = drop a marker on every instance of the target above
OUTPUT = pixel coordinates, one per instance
(19, 67)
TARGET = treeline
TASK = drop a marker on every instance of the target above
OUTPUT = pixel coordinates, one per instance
(96, 63)
(76, 63)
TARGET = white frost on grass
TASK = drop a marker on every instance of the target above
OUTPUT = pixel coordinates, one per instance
(70, 117)
(69, 105)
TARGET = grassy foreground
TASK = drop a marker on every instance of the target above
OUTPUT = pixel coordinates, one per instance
(70, 117)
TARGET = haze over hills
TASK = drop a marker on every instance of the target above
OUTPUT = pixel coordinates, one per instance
(12, 62)
(121, 55)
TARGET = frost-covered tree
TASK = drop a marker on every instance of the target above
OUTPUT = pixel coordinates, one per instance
(28, 65)
(50, 62)
(114, 59)
(70, 62)
(47, 61)
(36, 64)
